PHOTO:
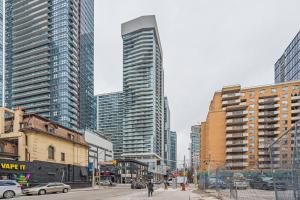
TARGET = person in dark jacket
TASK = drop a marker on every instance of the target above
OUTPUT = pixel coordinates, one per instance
(150, 188)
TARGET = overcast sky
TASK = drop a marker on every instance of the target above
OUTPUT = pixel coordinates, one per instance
(206, 44)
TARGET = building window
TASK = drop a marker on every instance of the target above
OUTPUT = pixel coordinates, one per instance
(284, 102)
(51, 152)
(251, 105)
(26, 140)
(261, 91)
(285, 96)
(284, 108)
(62, 156)
(251, 125)
(252, 112)
(273, 90)
(284, 115)
(251, 137)
(252, 99)
(251, 131)
(251, 144)
(252, 118)
(286, 88)
(251, 93)
(295, 87)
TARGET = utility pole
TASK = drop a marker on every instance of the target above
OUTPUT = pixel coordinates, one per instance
(93, 173)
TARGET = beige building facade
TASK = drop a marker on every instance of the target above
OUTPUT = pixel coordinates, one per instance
(243, 122)
(31, 137)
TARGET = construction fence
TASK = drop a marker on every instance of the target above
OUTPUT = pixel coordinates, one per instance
(278, 175)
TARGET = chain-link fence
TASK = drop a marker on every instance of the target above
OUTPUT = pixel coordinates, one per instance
(238, 185)
(284, 156)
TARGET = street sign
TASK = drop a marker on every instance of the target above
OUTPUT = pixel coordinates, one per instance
(90, 166)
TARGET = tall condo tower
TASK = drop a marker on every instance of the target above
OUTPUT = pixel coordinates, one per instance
(143, 87)
(49, 59)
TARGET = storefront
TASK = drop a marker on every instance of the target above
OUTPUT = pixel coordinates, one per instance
(15, 171)
(37, 172)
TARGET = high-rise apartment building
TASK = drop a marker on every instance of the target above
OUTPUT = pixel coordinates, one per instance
(167, 138)
(49, 59)
(243, 122)
(195, 146)
(143, 87)
(288, 65)
(109, 119)
(173, 150)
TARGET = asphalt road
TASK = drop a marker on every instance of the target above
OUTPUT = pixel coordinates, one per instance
(105, 194)
(117, 193)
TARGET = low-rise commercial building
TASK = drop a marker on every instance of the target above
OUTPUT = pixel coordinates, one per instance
(100, 150)
(132, 170)
(48, 151)
(243, 122)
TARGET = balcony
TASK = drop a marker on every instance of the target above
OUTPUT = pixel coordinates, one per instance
(236, 114)
(237, 121)
(231, 96)
(273, 126)
(267, 159)
(268, 107)
(295, 118)
(236, 149)
(237, 107)
(268, 166)
(269, 120)
(237, 164)
(295, 98)
(268, 100)
(236, 142)
(295, 104)
(231, 102)
(236, 157)
(268, 133)
(268, 114)
(236, 135)
(264, 152)
(236, 128)
(266, 145)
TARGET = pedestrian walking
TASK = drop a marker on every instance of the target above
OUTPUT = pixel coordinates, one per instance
(150, 188)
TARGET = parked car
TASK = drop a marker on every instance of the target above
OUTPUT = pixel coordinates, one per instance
(267, 183)
(107, 183)
(215, 183)
(9, 189)
(138, 185)
(240, 184)
(43, 189)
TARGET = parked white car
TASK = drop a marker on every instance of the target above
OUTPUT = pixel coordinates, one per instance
(9, 189)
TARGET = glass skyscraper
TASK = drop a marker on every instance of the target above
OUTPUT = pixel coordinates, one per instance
(167, 126)
(195, 146)
(143, 87)
(49, 59)
(109, 119)
(287, 68)
(173, 150)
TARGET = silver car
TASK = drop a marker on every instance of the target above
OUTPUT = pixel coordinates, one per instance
(9, 189)
(47, 188)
